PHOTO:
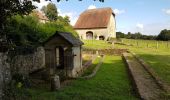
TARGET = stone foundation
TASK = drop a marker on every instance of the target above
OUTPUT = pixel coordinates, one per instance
(5, 75)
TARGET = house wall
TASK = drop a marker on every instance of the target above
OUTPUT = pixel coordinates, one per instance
(112, 27)
(98, 32)
(110, 31)
(77, 62)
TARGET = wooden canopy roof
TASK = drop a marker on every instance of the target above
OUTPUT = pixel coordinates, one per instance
(68, 37)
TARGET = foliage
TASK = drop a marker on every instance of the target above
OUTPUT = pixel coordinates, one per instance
(10, 8)
(164, 35)
(28, 31)
(16, 89)
(137, 35)
(50, 11)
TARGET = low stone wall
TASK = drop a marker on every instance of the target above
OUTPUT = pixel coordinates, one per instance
(28, 63)
(5, 75)
(105, 51)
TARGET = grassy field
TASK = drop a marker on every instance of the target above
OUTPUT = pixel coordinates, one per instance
(91, 68)
(110, 83)
(96, 44)
(158, 58)
(155, 53)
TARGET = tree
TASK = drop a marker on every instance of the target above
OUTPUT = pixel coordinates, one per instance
(9, 8)
(120, 35)
(164, 35)
(50, 11)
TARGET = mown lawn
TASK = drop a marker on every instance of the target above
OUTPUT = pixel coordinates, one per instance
(96, 44)
(155, 53)
(90, 69)
(110, 83)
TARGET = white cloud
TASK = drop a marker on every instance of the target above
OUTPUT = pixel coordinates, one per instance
(166, 11)
(139, 25)
(117, 11)
(92, 7)
(72, 15)
(41, 4)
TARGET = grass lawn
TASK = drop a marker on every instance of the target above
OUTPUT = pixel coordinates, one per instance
(90, 69)
(110, 83)
(158, 59)
(96, 44)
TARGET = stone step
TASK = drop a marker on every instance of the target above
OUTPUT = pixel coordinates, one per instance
(146, 85)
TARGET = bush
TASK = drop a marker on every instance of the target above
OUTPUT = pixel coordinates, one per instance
(28, 31)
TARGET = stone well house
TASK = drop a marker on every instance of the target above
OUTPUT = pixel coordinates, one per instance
(96, 24)
(63, 54)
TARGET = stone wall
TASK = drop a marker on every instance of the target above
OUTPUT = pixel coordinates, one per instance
(23, 64)
(28, 63)
(5, 75)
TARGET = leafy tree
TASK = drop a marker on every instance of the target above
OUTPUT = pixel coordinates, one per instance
(50, 11)
(164, 35)
(120, 35)
(65, 20)
(9, 8)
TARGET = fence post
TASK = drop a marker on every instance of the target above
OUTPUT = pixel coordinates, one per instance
(157, 45)
(167, 45)
(137, 43)
(147, 45)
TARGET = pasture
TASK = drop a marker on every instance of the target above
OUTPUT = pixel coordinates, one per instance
(158, 57)
(155, 53)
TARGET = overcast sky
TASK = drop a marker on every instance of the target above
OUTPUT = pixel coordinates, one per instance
(145, 16)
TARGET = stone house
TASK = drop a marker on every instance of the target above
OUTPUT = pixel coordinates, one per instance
(63, 54)
(96, 24)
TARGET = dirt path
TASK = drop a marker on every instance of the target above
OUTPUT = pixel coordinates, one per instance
(146, 86)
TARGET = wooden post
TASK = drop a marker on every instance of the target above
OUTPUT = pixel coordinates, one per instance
(147, 45)
(157, 45)
(167, 45)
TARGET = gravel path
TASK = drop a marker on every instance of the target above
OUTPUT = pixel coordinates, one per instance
(146, 86)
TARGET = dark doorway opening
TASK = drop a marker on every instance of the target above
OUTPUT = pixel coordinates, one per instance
(101, 37)
(89, 35)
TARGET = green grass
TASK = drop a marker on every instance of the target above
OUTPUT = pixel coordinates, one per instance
(157, 58)
(90, 69)
(96, 44)
(110, 83)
